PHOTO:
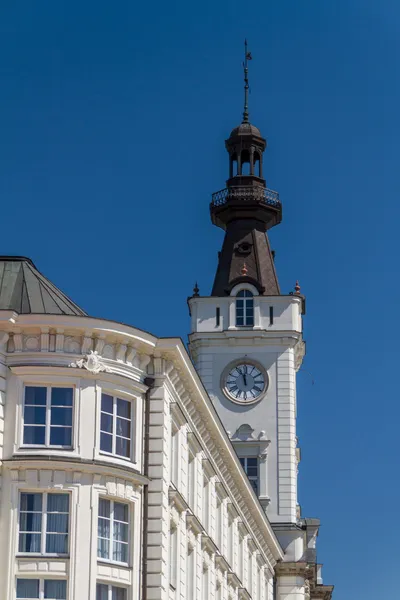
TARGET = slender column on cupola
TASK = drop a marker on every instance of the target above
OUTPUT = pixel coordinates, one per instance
(252, 161)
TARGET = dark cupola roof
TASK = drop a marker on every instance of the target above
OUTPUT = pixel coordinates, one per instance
(245, 129)
(246, 209)
(24, 290)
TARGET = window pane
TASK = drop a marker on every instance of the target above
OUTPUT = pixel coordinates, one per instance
(240, 294)
(106, 442)
(60, 436)
(106, 422)
(252, 462)
(123, 428)
(61, 416)
(118, 593)
(123, 408)
(101, 591)
(35, 415)
(61, 396)
(28, 588)
(254, 485)
(103, 548)
(239, 321)
(57, 523)
(35, 395)
(120, 552)
(239, 303)
(56, 543)
(34, 435)
(104, 508)
(120, 531)
(30, 522)
(107, 403)
(31, 502)
(29, 542)
(122, 447)
(103, 528)
(121, 512)
(56, 590)
(247, 294)
(58, 503)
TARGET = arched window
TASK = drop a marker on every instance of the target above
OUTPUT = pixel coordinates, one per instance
(244, 309)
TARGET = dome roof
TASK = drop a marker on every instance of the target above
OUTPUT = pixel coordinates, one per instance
(25, 290)
(246, 129)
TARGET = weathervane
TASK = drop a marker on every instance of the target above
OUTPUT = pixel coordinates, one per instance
(247, 57)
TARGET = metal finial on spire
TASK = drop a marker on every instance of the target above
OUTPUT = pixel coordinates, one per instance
(247, 57)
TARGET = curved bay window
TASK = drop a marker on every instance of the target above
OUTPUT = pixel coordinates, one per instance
(244, 309)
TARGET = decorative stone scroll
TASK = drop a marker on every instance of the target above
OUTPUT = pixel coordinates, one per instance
(91, 362)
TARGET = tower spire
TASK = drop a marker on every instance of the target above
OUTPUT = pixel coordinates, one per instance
(247, 57)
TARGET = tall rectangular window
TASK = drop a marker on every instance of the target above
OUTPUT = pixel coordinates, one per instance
(250, 466)
(41, 589)
(230, 539)
(205, 582)
(218, 523)
(48, 416)
(110, 592)
(116, 426)
(43, 523)
(244, 309)
(206, 502)
(173, 557)
(112, 531)
(250, 573)
(190, 584)
(174, 454)
(191, 479)
(240, 557)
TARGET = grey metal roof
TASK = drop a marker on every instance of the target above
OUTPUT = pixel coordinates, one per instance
(25, 290)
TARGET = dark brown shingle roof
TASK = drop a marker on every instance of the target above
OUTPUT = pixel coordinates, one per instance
(25, 290)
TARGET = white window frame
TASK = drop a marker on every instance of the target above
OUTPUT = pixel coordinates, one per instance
(43, 532)
(47, 424)
(111, 538)
(252, 477)
(41, 586)
(131, 457)
(247, 302)
(110, 588)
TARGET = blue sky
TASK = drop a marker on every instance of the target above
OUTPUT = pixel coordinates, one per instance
(113, 118)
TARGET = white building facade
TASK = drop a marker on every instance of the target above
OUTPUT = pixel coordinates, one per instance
(129, 472)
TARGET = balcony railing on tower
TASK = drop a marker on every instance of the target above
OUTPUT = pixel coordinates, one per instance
(261, 194)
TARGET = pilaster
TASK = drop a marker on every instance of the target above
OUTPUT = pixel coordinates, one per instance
(158, 502)
(287, 462)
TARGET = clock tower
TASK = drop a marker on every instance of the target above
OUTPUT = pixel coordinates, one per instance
(246, 337)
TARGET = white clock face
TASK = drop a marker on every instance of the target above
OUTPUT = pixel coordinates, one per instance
(245, 382)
